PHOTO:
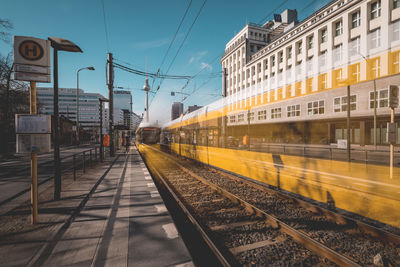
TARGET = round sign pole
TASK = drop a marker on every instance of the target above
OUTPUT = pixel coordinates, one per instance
(34, 177)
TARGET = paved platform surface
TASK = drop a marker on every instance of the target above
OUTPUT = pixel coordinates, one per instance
(117, 220)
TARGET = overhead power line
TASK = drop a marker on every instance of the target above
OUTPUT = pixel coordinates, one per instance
(148, 74)
(272, 12)
(105, 26)
(176, 33)
(183, 41)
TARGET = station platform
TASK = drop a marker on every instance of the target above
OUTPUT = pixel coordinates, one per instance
(117, 220)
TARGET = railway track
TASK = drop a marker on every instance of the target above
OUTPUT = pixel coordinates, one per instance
(260, 225)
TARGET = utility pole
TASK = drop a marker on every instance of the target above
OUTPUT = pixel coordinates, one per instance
(34, 170)
(348, 124)
(101, 100)
(56, 138)
(110, 72)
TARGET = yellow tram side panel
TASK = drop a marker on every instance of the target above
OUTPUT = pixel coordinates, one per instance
(342, 184)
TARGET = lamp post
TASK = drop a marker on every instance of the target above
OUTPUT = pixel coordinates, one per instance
(58, 44)
(375, 137)
(77, 101)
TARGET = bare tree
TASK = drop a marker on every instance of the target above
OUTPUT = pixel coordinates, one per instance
(14, 98)
(5, 26)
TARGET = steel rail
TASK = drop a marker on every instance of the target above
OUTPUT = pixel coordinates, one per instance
(378, 234)
(298, 236)
(222, 259)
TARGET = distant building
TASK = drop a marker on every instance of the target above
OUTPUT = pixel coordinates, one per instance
(118, 117)
(123, 101)
(136, 120)
(89, 105)
(176, 110)
(192, 108)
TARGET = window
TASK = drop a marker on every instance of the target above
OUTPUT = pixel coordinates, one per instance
(310, 42)
(355, 46)
(280, 57)
(322, 58)
(251, 116)
(273, 61)
(338, 53)
(299, 48)
(293, 110)
(339, 76)
(338, 28)
(324, 35)
(232, 119)
(262, 115)
(289, 53)
(356, 72)
(340, 103)
(310, 64)
(276, 113)
(266, 64)
(396, 4)
(316, 107)
(355, 19)
(251, 48)
(376, 68)
(396, 30)
(382, 99)
(240, 117)
(375, 38)
(376, 9)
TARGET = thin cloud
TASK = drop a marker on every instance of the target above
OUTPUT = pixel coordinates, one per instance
(151, 44)
(197, 56)
(204, 65)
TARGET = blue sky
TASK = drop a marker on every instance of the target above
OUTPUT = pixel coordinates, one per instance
(140, 29)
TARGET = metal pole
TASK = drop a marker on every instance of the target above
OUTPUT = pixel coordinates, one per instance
(111, 102)
(57, 172)
(391, 144)
(34, 174)
(101, 130)
(77, 107)
(348, 124)
(375, 137)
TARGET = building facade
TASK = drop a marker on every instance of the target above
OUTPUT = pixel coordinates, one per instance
(287, 73)
(89, 104)
(123, 102)
(176, 110)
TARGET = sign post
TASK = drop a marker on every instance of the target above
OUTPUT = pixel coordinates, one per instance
(31, 63)
(392, 127)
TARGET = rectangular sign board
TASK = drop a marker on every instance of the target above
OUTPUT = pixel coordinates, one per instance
(391, 133)
(32, 124)
(32, 69)
(31, 51)
(32, 77)
(28, 143)
(342, 143)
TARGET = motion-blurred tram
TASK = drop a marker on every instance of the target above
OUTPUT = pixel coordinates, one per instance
(148, 133)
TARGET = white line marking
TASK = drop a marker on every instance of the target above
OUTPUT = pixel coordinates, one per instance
(160, 208)
(366, 185)
(170, 230)
(147, 177)
(151, 185)
(154, 194)
(186, 264)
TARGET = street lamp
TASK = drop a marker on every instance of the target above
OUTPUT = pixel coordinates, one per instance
(77, 101)
(58, 44)
(366, 61)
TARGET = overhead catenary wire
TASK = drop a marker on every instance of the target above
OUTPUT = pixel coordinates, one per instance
(183, 41)
(272, 12)
(148, 74)
(105, 27)
(173, 39)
